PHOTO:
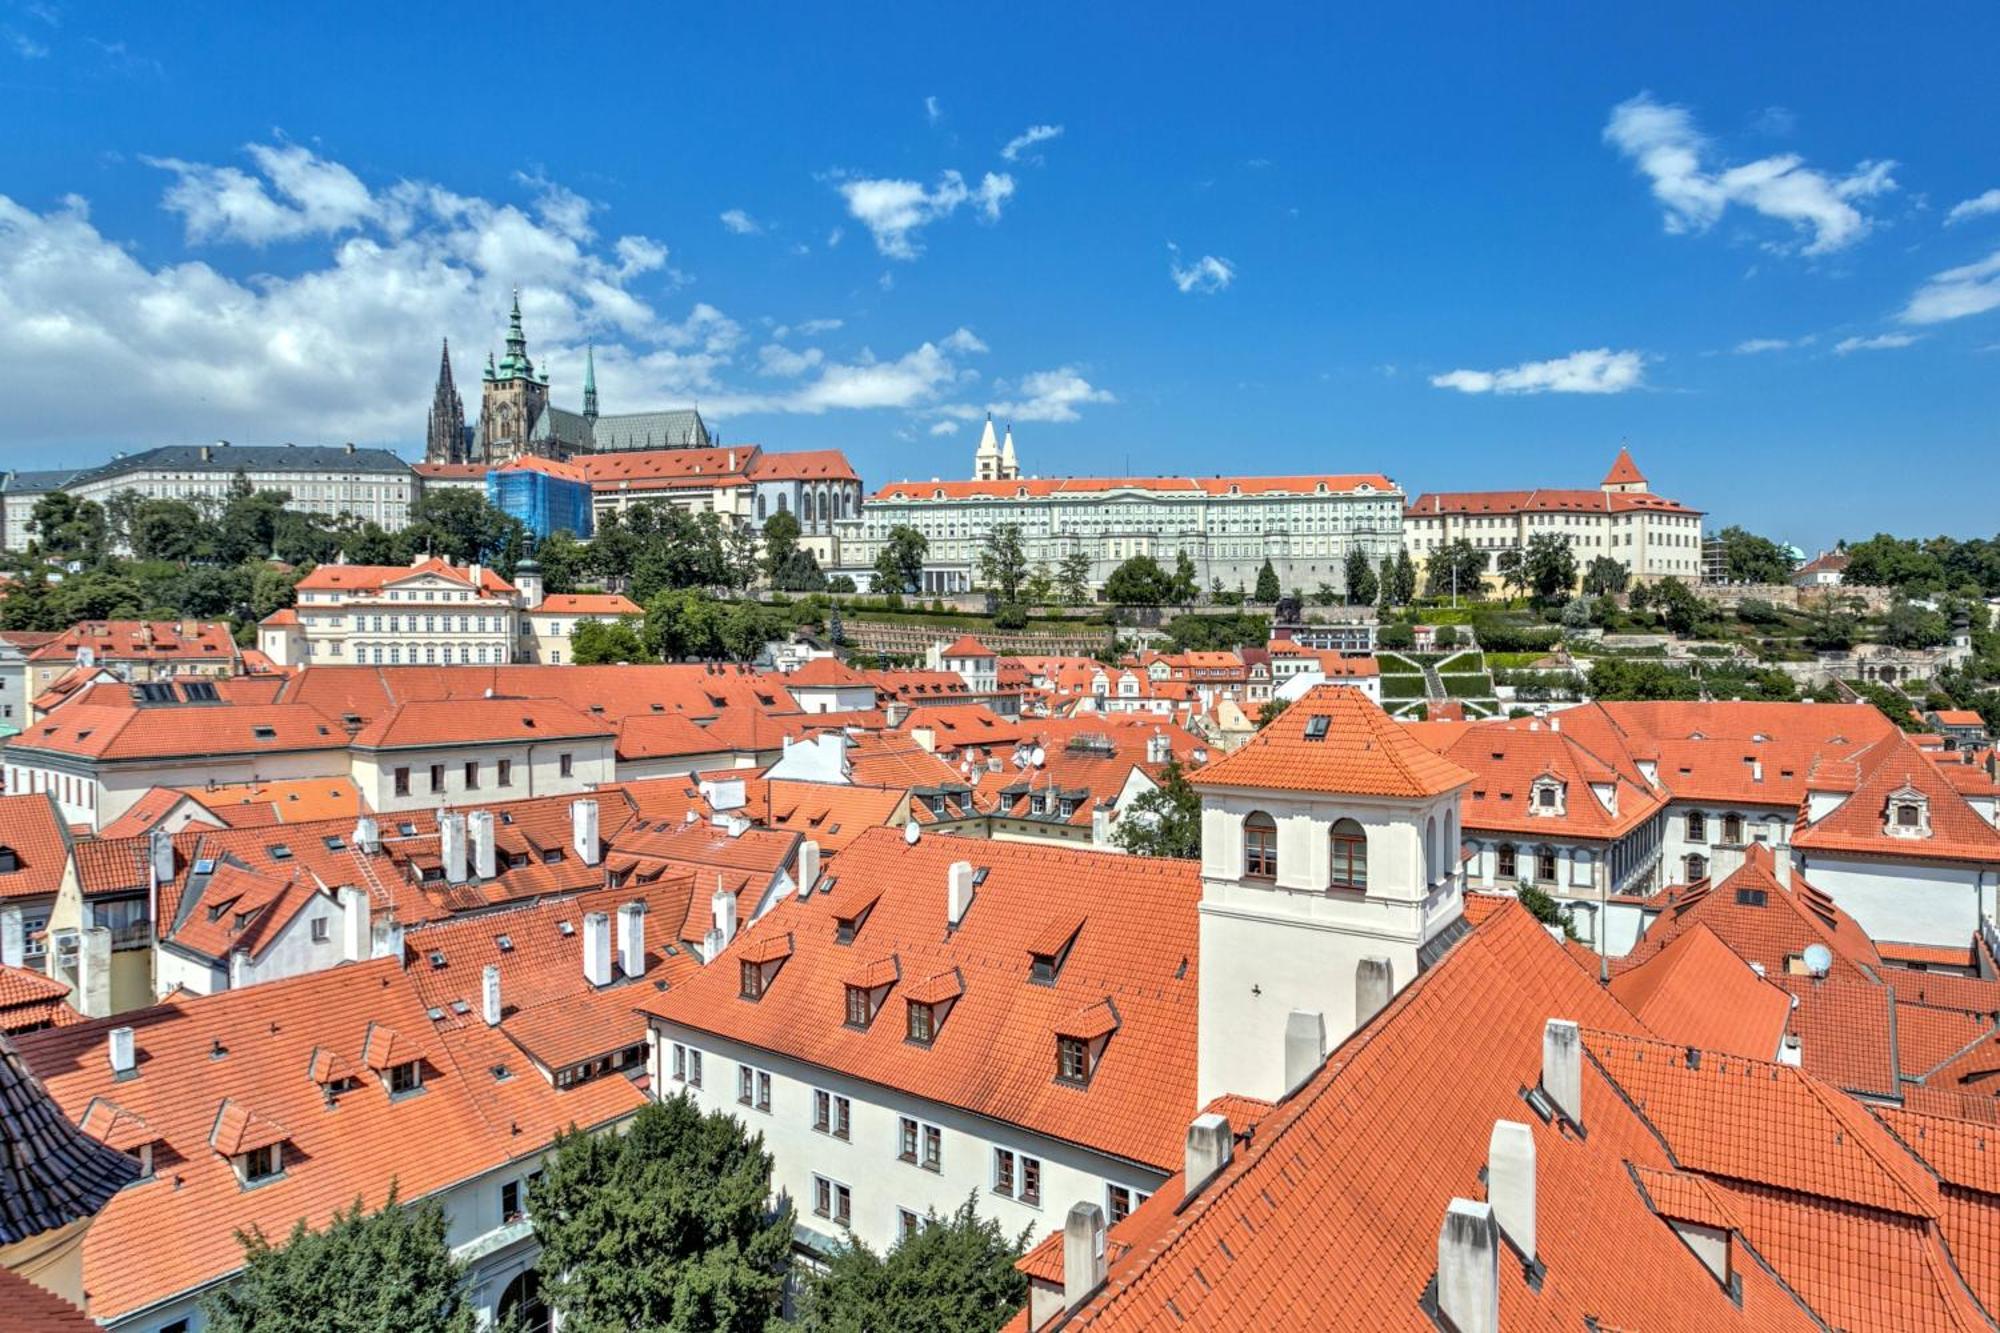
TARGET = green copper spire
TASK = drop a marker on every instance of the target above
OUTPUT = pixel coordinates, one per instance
(516, 362)
(590, 381)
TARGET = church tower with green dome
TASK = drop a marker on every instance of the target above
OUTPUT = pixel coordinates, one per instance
(513, 401)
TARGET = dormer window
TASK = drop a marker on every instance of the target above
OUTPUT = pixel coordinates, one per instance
(1073, 1060)
(1908, 814)
(406, 1078)
(860, 1007)
(922, 1023)
(262, 1164)
(753, 982)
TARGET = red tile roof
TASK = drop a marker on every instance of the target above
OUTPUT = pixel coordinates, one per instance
(1623, 470)
(827, 672)
(1697, 991)
(32, 828)
(586, 604)
(142, 640)
(1360, 751)
(371, 579)
(666, 736)
(475, 721)
(91, 731)
(1542, 500)
(1044, 487)
(1860, 823)
(967, 646)
(31, 1309)
(803, 465)
(29, 1000)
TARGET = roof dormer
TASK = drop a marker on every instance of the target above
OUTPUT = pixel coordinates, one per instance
(1548, 797)
(1907, 813)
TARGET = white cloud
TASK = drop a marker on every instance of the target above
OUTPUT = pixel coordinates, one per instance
(1051, 395)
(944, 427)
(933, 110)
(741, 223)
(1970, 289)
(964, 341)
(1880, 342)
(1598, 371)
(1695, 191)
(1752, 346)
(1205, 276)
(1976, 207)
(1027, 139)
(833, 237)
(895, 211)
(773, 359)
(298, 194)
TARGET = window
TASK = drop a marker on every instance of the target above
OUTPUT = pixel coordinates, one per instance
(322, 930)
(263, 1163)
(1750, 898)
(402, 782)
(906, 1139)
(1697, 826)
(832, 1200)
(1349, 848)
(763, 1091)
(405, 1078)
(752, 987)
(1260, 846)
(1907, 816)
(1504, 866)
(933, 1148)
(906, 1221)
(832, 1114)
(1006, 1172)
(566, 765)
(437, 777)
(1545, 865)
(510, 1202)
(694, 1068)
(680, 1065)
(1732, 828)
(1031, 1180)
(1120, 1201)
(860, 1006)
(504, 773)
(923, 1024)
(1546, 796)
(746, 1084)
(1073, 1060)
(472, 775)
(1697, 869)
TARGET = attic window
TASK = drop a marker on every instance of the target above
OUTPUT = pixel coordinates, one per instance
(436, 957)
(407, 829)
(1750, 897)
(335, 843)
(279, 852)
(10, 860)
(751, 985)
(1316, 726)
(922, 1023)
(861, 1006)
(566, 928)
(264, 733)
(505, 943)
(1073, 1063)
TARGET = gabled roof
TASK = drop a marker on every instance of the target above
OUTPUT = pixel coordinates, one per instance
(829, 672)
(32, 827)
(1697, 991)
(1859, 824)
(373, 578)
(50, 1174)
(1358, 750)
(478, 721)
(1624, 471)
(966, 646)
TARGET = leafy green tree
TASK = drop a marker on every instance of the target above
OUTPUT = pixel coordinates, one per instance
(1512, 568)
(683, 623)
(955, 1275)
(1406, 578)
(1890, 703)
(1185, 585)
(1003, 561)
(1360, 579)
(368, 543)
(1040, 584)
(1138, 582)
(1549, 568)
(1268, 590)
(457, 525)
(68, 528)
(1163, 821)
(564, 561)
(271, 590)
(788, 566)
(1272, 710)
(1910, 626)
(900, 566)
(1073, 578)
(1832, 626)
(166, 530)
(1680, 608)
(664, 1228)
(1748, 558)
(1622, 679)
(1757, 611)
(1455, 569)
(1893, 562)
(1385, 588)
(1605, 575)
(595, 642)
(1209, 632)
(1324, 594)
(386, 1270)
(746, 627)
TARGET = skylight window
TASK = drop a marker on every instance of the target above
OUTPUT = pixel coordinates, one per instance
(436, 957)
(505, 942)
(1316, 726)
(264, 733)
(279, 852)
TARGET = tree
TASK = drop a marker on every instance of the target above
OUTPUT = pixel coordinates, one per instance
(1324, 595)
(1268, 590)
(836, 632)
(1164, 820)
(1186, 584)
(1073, 578)
(1605, 575)
(1003, 561)
(1455, 570)
(1893, 562)
(564, 561)
(1680, 608)
(664, 1227)
(1549, 568)
(595, 642)
(1138, 582)
(1360, 579)
(683, 623)
(457, 525)
(166, 530)
(953, 1275)
(1512, 569)
(1040, 584)
(786, 565)
(1832, 626)
(1910, 626)
(69, 528)
(900, 566)
(384, 1270)
(1748, 558)
(1406, 578)
(1272, 710)
(1385, 588)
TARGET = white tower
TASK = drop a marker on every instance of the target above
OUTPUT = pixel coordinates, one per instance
(1010, 467)
(986, 462)
(1328, 864)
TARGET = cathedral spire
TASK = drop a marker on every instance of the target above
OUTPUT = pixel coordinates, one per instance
(516, 361)
(444, 442)
(590, 381)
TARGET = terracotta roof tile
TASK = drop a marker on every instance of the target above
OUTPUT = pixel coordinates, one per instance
(1699, 992)
(32, 828)
(1334, 739)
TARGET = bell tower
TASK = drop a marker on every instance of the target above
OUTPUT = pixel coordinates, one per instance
(512, 397)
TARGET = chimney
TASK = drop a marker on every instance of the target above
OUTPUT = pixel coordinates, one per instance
(583, 831)
(484, 864)
(1209, 1145)
(1373, 985)
(723, 907)
(1756, 769)
(160, 857)
(1510, 1183)
(388, 941)
(355, 940)
(958, 893)
(597, 948)
(1468, 1280)
(632, 939)
(1724, 860)
(451, 846)
(92, 997)
(368, 834)
(1555, 723)
(808, 866)
(13, 937)
(895, 713)
(124, 1058)
(925, 739)
(489, 995)
(1562, 1068)
(1083, 1253)
(1100, 826)
(1305, 1047)
(1781, 866)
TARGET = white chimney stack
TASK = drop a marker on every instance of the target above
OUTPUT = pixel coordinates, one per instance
(1305, 1047)
(958, 893)
(722, 905)
(485, 865)
(1562, 1068)
(1468, 1280)
(368, 834)
(1209, 1147)
(1781, 866)
(583, 831)
(1510, 1183)
(1100, 826)
(1084, 1264)
(808, 866)
(355, 939)
(160, 849)
(632, 939)
(597, 948)
(489, 995)
(451, 846)
(124, 1056)
(1373, 985)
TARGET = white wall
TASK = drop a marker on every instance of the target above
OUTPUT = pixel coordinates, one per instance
(537, 771)
(1903, 899)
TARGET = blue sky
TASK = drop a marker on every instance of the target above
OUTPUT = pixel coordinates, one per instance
(1467, 250)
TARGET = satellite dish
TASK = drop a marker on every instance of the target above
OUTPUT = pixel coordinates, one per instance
(1039, 757)
(911, 832)
(1818, 959)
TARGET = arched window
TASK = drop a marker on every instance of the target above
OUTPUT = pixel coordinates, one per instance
(522, 1308)
(1732, 828)
(1260, 846)
(1431, 850)
(1545, 865)
(782, 506)
(1504, 864)
(1697, 826)
(760, 508)
(1697, 868)
(806, 507)
(1349, 863)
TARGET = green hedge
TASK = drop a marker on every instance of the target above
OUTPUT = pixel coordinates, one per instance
(1468, 687)
(1403, 687)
